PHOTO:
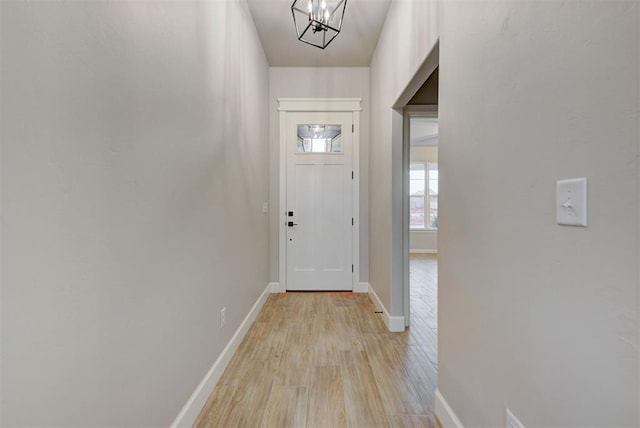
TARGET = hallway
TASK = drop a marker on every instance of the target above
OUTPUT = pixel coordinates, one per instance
(143, 189)
(327, 359)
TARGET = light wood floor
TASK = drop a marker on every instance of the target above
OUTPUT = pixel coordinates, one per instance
(327, 360)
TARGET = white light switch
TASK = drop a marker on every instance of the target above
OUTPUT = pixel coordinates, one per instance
(571, 202)
(265, 207)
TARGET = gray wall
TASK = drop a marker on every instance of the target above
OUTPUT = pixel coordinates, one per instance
(409, 33)
(328, 82)
(423, 241)
(133, 177)
(536, 317)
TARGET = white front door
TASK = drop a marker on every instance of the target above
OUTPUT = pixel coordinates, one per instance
(319, 201)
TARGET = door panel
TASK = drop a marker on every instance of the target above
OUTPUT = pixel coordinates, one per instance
(301, 238)
(319, 194)
(333, 201)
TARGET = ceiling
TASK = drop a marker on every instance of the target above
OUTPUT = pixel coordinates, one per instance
(353, 47)
(424, 131)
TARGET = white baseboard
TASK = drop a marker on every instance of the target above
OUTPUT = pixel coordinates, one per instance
(362, 287)
(445, 413)
(277, 288)
(198, 399)
(394, 324)
(414, 251)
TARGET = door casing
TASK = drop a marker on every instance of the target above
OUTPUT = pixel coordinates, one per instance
(287, 105)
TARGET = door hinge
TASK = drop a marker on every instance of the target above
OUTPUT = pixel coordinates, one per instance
(351, 268)
(352, 221)
(353, 128)
(353, 175)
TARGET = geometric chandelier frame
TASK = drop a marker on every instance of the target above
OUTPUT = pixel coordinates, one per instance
(318, 22)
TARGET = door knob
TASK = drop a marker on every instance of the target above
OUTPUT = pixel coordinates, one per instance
(291, 224)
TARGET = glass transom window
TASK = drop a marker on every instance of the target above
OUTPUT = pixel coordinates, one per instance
(319, 139)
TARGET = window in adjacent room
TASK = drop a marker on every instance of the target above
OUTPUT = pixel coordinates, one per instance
(423, 195)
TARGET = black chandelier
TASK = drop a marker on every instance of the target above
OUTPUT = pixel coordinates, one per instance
(318, 22)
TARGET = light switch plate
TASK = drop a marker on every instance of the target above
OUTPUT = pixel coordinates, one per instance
(265, 207)
(571, 202)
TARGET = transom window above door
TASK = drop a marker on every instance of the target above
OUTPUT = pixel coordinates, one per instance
(319, 139)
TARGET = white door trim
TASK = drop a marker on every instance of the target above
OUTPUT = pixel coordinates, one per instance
(319, 104)
(286, 105)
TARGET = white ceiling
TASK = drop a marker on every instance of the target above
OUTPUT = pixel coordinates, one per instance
(423, 131)
(353, 47)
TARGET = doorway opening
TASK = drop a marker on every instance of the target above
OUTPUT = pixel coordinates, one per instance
(420, 214)
(423, 185)
(420, 204)
(419, 96)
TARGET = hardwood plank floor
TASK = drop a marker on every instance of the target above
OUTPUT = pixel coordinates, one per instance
(327, 360)
(326, 400)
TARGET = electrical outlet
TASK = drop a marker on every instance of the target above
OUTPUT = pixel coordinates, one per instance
(512, 421)
(223, 316)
